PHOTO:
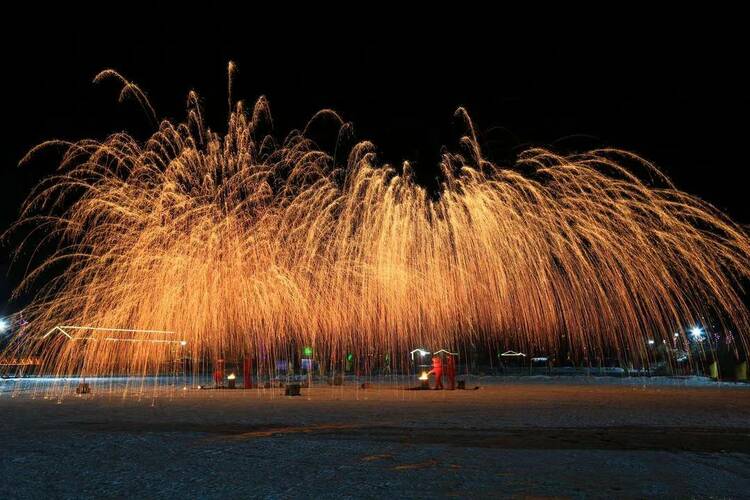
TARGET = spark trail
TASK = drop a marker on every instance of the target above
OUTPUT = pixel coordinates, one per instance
(242, 243)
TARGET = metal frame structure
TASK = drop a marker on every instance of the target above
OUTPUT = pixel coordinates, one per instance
(64, 330)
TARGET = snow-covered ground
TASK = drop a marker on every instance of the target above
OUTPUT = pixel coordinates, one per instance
(515, 436)
(66, 385)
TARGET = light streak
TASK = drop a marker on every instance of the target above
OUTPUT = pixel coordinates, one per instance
(244, 243)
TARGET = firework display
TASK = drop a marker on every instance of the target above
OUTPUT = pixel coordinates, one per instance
(205, 245)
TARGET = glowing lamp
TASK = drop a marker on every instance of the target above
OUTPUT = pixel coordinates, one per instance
(424, 380)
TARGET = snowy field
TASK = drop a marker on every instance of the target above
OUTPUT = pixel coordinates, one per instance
(579, 437)
(161, 386)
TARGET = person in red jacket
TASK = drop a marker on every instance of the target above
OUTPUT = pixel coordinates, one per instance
(450, 371)
(437, 370)
(219, 373)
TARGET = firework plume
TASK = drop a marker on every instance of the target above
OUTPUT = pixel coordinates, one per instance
(240, 243)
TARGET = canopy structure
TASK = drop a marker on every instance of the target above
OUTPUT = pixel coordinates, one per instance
(445, 351)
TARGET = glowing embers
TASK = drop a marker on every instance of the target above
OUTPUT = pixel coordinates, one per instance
(114, 334)
(248, 243)
(110, 351)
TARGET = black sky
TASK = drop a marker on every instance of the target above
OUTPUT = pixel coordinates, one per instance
(677, 97)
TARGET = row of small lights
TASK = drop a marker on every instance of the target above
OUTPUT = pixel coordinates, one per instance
(696, 333)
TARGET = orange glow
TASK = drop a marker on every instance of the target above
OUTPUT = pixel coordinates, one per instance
(241, 242)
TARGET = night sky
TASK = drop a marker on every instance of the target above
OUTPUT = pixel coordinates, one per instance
(679, 99)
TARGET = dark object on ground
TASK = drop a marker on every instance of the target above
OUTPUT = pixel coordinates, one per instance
(338, 379)
(267, 385)
(462, 386)
(232, 384)
(292, 390)
(365, 385)
(83, 388)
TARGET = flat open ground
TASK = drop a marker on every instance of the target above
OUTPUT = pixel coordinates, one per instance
(576, 437)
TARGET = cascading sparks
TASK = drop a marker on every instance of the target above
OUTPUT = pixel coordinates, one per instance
(242, 244)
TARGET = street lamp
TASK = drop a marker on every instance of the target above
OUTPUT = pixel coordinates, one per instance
(696, 333)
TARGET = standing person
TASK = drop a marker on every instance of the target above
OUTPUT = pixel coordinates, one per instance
(450, 371)
(219, 373)
(437, 370)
